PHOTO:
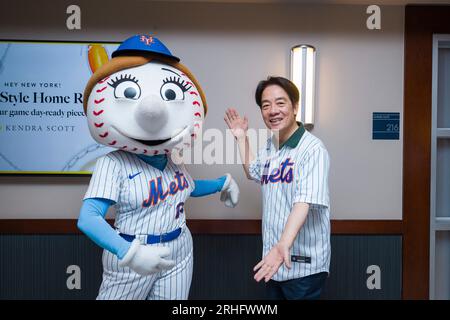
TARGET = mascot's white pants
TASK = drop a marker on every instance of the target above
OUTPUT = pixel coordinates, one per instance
(124, 284)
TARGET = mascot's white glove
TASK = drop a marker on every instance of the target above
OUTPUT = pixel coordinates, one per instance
(230, 192)
(146, 260)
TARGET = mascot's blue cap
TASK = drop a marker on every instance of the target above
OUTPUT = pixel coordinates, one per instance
(143, 43)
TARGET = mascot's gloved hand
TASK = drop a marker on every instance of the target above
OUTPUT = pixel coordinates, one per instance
(146, 260)
(230, 192)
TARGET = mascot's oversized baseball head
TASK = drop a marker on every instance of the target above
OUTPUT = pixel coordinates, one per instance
(144, 100)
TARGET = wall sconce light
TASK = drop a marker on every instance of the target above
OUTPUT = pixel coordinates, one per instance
(303, 59)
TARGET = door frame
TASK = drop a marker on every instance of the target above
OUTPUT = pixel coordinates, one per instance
(421, 22)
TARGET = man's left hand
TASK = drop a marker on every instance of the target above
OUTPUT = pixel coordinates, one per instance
(270, 264)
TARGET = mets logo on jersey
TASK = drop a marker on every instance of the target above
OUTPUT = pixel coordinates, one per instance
(179, 209)
(157, 192)
(284, 173)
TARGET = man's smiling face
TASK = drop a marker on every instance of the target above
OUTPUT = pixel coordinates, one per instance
(277, 109)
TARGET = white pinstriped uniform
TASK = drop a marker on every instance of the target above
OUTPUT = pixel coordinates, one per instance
(126, 179)
(309, 162)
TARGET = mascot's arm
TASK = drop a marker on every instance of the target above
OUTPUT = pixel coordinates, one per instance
(207, 187)
(228, 188)
(92, 223)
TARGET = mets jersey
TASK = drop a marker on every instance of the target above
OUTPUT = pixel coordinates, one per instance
(297, 172)
(148, 200)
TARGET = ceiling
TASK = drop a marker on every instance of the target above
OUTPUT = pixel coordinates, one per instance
(338, 2)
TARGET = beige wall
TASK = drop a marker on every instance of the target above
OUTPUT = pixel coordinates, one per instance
(230, 47)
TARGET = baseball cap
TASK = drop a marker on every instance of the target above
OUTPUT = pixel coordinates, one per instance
(143, 43)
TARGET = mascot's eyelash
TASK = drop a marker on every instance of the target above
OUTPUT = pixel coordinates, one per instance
(185, 86)
(123, 77)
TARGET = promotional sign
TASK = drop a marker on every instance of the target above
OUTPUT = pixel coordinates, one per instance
(43, 129)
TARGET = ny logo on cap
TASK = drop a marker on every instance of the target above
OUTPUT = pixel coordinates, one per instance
(147, 40)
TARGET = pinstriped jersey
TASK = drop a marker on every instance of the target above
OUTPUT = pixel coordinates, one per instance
(287, 176)
(148, 200)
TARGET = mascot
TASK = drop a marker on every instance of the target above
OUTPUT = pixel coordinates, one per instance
(144, 103)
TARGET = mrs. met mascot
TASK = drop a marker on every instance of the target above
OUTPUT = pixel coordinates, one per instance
(144, 102)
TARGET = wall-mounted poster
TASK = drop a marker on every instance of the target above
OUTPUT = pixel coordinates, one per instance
(43, 129)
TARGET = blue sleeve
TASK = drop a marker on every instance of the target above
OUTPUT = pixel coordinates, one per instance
(92, 223)
(207, 187)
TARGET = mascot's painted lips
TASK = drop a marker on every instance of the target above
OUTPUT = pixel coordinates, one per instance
(152, 143)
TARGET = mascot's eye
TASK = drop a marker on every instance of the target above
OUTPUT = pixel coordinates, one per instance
(170, 94)
(130, 93)
(126, 86)
(173, 88)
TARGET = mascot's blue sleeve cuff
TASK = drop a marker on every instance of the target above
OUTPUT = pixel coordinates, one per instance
(92, 223)
(206, 187)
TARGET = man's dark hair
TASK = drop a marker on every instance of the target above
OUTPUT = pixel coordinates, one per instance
(288, 86)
